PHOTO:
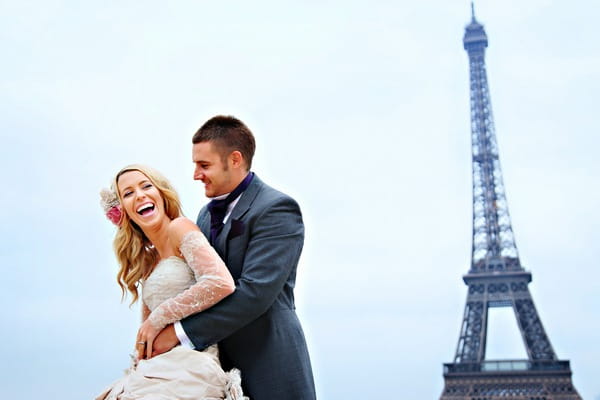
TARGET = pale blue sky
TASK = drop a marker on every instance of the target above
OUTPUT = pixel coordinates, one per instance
(361, 112)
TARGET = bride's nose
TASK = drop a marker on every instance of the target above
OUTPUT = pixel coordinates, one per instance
(139, 194)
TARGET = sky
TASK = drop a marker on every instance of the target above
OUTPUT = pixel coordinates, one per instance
(361, 112)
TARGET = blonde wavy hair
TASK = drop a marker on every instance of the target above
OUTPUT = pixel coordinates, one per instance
(135, 253)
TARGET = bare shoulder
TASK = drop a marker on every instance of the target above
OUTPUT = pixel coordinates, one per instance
(179, 227)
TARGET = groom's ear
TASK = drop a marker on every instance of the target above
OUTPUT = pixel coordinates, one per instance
(236, 158)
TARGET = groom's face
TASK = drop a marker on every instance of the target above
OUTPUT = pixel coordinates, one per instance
(211, 170)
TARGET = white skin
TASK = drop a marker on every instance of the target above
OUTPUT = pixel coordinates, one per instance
(218, 177)
(144, 205)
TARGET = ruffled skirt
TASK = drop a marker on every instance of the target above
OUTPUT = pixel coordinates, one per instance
(181, 374)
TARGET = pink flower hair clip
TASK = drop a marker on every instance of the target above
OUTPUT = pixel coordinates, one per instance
(111, 206)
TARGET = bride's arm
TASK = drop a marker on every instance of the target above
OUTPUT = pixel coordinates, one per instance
(145, 311)
(213, 280)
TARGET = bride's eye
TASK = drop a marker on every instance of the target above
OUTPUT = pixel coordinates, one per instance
(147, 186)
(127, 194)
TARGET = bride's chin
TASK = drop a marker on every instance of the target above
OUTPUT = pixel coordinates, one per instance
(156, 219)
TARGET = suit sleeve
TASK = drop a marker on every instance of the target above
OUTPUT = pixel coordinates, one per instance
(274, 247)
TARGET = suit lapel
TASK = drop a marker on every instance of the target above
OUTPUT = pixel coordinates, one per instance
(203, 222)
(241, 208)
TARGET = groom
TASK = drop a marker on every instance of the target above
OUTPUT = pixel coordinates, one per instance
(259, 233)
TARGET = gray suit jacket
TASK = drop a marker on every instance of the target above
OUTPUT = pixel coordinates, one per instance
(256, 327)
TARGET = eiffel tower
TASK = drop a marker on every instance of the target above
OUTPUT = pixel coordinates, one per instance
(496, 277)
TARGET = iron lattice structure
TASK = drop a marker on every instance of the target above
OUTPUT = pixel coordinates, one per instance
(496, 277)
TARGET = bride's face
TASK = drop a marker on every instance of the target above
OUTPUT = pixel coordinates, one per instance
(141, 200)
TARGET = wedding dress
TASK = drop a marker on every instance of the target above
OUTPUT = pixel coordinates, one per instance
(175, 289)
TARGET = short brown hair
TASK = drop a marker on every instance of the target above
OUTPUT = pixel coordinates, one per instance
(228, 134)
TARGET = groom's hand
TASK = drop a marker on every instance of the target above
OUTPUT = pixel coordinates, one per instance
(165, 341)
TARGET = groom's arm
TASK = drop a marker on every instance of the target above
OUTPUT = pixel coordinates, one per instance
(274, 247)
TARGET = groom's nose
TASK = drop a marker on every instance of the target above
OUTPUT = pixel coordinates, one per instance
(198, 175)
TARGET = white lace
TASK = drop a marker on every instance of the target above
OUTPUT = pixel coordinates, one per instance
(178, 288)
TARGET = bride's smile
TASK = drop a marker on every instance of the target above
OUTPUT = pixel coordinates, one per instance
(141, 200)
(146, 209)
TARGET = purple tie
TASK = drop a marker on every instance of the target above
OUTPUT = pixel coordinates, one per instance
(218, 208)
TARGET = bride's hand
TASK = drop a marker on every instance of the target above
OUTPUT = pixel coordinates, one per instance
(145, 337)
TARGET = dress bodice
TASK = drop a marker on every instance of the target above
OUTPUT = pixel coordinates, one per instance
(170, 277)
(179, 287)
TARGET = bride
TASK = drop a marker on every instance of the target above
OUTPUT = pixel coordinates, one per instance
(180, 274)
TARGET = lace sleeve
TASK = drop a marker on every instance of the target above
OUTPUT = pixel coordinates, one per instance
(213, 282)
(145, 311)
